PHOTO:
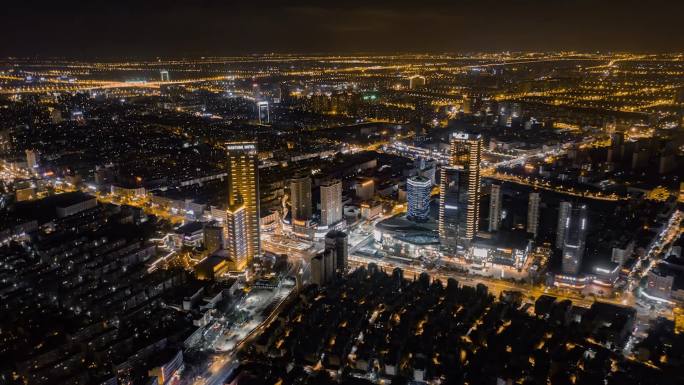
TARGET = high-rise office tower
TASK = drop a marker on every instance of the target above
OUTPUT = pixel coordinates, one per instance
(323, 267)
(452, 200)
(213, 238)
(263, 111)
(300, 197)
(495, 208)
(32, 159)
(330, 258)
(164, 75)
(256, 91)
(533, 213)
(318, 269)
(575, 238)
(459, 210)
(416, 81)
(243, 188)
(563, 214)
(617, 142)
(467, 105)
(337, 242)
(364, 188)
(237, 236)
(331, 202)
(418, 189)
(617, 139)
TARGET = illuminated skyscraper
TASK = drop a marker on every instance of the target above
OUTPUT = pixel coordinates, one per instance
(331, 202)
(237, 237)
(467, 105)
(32, 159)
(300, 196)
(364, 188)
(256, 91)
(264, 114)
(575, 237)
(495, 208)
(416, 81)
(418, 190)
(459, 211)
(451, 201)
(533, 213)
(563, 215)
(164, 75)
(243, 189)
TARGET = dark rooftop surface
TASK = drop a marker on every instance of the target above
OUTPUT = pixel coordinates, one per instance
(190, 228)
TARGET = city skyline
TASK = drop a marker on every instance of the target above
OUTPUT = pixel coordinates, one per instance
(362, 219)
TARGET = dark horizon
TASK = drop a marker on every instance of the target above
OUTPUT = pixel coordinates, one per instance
(463, 55)
(180, 28)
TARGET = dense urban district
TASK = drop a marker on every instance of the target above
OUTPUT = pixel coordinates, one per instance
(510, 218)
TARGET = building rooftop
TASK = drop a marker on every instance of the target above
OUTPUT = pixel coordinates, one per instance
(400, 224)
(190, 228)
(516, 239)
(45, 209)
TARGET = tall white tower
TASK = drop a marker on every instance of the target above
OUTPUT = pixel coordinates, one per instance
(331, 202)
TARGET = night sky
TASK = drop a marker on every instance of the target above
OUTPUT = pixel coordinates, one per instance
(176, 28)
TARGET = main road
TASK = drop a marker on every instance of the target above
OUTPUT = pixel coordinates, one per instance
(495, 286)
